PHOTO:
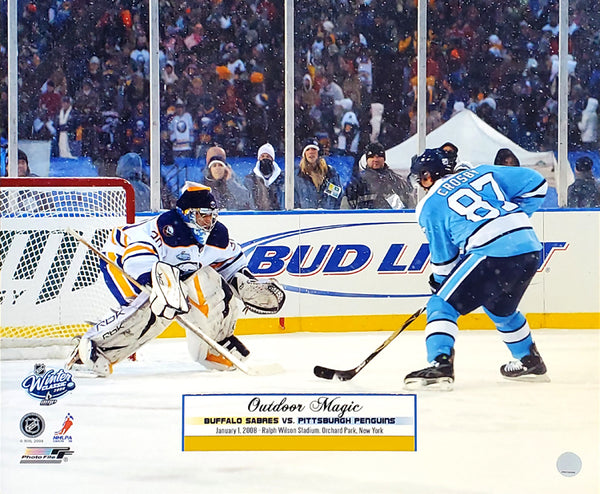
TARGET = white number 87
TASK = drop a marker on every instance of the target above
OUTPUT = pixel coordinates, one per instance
(479, 209)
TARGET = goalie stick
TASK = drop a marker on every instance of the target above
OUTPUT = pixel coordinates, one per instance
(263, 370)
(346, 375)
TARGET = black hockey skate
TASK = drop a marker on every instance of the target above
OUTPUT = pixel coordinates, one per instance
(439, 376)
(530, 368)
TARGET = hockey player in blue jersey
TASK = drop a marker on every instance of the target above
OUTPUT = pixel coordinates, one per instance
(484, 253)
(195, 271)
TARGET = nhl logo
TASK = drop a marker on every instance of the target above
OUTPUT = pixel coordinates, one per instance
(39, 369)
(32, 425)
(168, 230)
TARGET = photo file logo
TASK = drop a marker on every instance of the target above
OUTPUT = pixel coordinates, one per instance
(46, 455)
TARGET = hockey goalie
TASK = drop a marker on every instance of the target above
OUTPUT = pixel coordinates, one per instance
(193, 271)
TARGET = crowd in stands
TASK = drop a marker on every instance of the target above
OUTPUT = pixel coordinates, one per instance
(84, 74)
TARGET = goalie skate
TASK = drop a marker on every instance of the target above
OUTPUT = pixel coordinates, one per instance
(530, 368)
(74, 355)
(87, 360)
(440, 376)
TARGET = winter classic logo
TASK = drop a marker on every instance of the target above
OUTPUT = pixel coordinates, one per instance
(48, 385)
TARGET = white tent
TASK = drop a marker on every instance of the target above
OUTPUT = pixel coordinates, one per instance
(477, 144)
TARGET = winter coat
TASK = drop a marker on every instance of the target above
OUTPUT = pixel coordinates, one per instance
(328, 196)
(267, 193)
(229, 193)
(583, 193)
(131, 168)
(380, 189)
(589, 122)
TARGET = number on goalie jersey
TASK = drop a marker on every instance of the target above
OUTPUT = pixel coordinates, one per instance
(484, 253)
(205, 261)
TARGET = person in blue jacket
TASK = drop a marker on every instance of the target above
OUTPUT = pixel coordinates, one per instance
(317, 185)
(484, 253)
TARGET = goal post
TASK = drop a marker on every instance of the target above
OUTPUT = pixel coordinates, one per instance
(51, 288)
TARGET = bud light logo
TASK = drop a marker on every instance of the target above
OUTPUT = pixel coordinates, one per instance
(48, 386)
(350, 260)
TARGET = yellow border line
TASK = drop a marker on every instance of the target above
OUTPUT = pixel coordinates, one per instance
(299, 443)
(344, 324)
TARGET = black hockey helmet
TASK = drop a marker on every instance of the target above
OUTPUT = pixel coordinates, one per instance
(451, 152)
(434, 162)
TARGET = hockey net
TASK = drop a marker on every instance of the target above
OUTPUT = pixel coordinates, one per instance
(51, 288)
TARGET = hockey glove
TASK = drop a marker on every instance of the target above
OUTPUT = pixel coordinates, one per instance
(168, 297)
(259, 296)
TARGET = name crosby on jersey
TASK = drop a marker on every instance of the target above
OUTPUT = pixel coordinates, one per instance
(456, 181)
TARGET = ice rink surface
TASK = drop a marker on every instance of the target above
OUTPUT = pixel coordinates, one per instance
(486, 436)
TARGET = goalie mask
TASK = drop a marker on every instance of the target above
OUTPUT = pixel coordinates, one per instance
(198, 208)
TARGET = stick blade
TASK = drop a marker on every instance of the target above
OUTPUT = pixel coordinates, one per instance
(323, 372)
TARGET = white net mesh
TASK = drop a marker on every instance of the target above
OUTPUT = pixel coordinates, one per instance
(50, 284)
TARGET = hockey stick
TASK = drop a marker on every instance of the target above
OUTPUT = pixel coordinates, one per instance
(346, 375)
(263, 370)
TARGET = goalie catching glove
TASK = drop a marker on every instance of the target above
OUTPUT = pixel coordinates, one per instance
(169, 296)
(261, 297)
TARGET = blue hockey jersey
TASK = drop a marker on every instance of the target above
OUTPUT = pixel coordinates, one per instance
(481, 210)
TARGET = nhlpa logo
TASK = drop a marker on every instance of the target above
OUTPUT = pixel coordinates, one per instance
(49, 385)
(61, 436)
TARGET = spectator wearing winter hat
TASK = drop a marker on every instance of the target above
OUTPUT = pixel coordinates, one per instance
(23, 169)
(585, 191)
(218, 175)
(378, 186)
(506, 157)
(265, 182)
(317, 184)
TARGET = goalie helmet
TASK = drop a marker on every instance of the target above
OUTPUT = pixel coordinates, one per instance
(434, 162)
(198, 208)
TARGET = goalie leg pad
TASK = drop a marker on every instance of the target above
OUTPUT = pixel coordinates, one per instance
(169, 296)
(126, 330)
(213, 310)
